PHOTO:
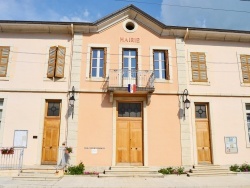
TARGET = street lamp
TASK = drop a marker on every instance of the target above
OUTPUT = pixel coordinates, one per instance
(186, 102)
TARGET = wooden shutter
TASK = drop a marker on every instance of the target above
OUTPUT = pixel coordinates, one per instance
(199, 68)
(4, 60)
(167, 64)
(60, 62)
(51, 62)
(104, 62)
(245, 67)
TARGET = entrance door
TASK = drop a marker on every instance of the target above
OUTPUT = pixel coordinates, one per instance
(129, 66)
(51, 132)
(129, 150)
(202, 134)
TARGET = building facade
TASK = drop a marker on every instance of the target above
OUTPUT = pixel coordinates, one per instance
(130, 76)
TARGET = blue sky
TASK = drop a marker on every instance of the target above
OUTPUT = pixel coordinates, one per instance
(235, 15)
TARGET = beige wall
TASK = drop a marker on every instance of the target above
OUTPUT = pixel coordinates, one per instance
(226, 95)
(26, 88)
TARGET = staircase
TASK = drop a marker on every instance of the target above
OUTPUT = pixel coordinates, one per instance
(209, 170)
(131, 171)
(48, 173)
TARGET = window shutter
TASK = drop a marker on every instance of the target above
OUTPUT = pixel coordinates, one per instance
(104, 62)
(51, 62)
(245, 67)
(202, 67)
(199, 68)
(4, 60)
(90, 64)
(60, 62)
(167, 65)
(195, 66)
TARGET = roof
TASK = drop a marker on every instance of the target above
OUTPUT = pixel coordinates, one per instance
(128, 12)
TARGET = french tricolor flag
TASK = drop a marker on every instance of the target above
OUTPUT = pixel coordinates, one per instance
(131, 88)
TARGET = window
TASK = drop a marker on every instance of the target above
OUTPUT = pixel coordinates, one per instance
(1, 111)
(53, 109)
(200, 111)
(129, 63)
(248, 121)
(245, 67)
(98, 63)
(199, 68)
(129, 109)
(161, 64)
(4, 60)
(56, 62)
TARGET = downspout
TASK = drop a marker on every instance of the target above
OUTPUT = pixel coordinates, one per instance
(69, 83)
(186, 35)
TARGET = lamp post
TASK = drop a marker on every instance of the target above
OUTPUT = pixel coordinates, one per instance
(186, 102)
(72, 100)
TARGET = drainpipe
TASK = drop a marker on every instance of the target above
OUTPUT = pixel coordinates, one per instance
(69, 83)
(186, 35)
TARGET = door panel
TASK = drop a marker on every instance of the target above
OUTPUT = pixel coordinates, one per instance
(136, 142)
(122, 142)
(51, 134)
(202, 134)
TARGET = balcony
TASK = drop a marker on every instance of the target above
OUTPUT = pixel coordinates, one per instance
(120, 78)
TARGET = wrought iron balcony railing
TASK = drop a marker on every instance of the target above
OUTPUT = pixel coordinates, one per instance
(120, 78)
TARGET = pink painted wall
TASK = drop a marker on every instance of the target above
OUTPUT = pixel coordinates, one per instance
(111, 36)
(95, 114)
(95, 129)
(164, 131)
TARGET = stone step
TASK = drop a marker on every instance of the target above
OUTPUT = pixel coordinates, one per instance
(37, 174)
(198, 174)
(41, 174)
(129, 171)
(209, 170)
(131, 175)
(37, 178)
(207, 167)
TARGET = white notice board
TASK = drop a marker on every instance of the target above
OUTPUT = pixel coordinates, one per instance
(20, 138)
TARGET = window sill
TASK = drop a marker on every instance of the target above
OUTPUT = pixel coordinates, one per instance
(4, 78)
(54, 79)
(96, 79)
(163, 81)
(245, 85)
(200, 83)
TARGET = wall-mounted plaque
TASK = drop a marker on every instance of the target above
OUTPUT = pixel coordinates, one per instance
(20, 138)
(231, 144)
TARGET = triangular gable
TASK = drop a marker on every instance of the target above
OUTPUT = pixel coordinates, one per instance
(133, 13)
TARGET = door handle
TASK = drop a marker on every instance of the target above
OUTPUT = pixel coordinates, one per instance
(202, 147)
(50, 147)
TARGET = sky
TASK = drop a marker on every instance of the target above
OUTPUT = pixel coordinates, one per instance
(220, 14)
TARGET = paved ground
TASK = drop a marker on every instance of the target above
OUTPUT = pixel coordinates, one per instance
(241, 180)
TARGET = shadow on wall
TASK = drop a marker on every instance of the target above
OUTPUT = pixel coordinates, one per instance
(180, 113)
(105, 101)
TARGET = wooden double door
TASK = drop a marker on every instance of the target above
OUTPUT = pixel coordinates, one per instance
(51, 132)
(129, 140)
(203, 134)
